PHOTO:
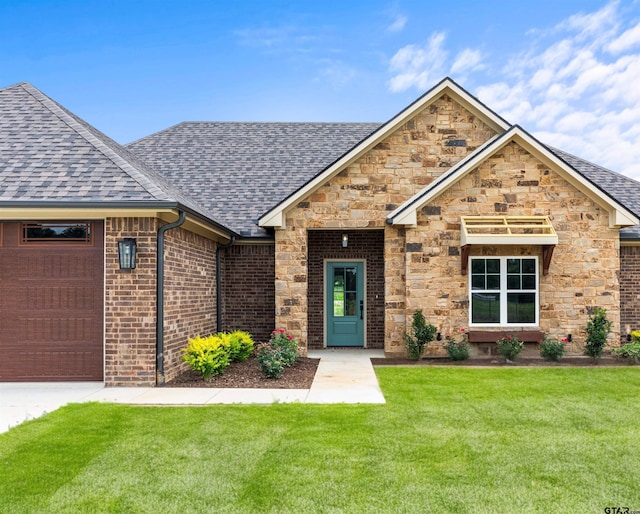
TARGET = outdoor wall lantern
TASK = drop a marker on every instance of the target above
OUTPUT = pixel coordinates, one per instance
(569, 337)
(439, 336)
(345, 240)
(127, 253)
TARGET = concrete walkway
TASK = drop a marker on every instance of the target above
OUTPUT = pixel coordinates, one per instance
(343, 376)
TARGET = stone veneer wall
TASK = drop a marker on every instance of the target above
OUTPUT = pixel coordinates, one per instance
(584, 268)
(130, 322)
(362, 195)
(629, 290)
(248, 291)
(363, 244)
(189, 294)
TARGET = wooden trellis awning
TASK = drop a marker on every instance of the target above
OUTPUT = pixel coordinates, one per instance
(507, 230)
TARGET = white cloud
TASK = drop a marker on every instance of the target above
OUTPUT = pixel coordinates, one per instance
(398, 24)
(467, 61)
(418, 66)
(626, 41)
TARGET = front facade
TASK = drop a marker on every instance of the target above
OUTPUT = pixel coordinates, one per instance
(445, 208)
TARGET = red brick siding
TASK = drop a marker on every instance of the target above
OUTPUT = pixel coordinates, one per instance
(130, 300)
(629, 290)
(248, 289)
(363, 244)
(189, 294)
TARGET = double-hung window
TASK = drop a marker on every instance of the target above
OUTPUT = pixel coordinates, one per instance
(503, 291)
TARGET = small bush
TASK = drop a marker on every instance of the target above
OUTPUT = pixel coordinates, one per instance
(207, 355)
(458, 350)
(551, 349)
(635, 336)
(281, 351)
(509, 346)
(629, 351)
(240, 345)
(421, 334)
(285, 344)
(598, 328)
(270, 359)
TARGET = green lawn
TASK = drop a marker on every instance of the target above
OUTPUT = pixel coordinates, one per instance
(448, 440)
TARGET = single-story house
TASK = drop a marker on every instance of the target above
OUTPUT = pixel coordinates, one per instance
(336, 232)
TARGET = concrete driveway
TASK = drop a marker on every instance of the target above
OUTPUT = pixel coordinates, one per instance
(23, 401)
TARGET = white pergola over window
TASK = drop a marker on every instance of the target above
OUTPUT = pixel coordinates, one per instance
(507, 230)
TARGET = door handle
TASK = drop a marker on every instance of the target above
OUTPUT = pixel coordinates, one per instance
(361, 309)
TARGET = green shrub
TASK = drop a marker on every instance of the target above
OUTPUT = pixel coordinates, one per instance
(598, 328)
(509, 346)
(458, 350)
(241, 345)
(551, 349)
(421, 334)
(281, 351)
(207, 355)
(629, 351)
(285, 344)
(270, 360)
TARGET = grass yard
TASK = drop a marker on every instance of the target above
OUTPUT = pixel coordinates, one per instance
(448, 440)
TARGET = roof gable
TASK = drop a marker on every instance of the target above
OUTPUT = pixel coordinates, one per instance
(619, 215)
(275, 217)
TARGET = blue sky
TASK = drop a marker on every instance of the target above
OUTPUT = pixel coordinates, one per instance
(567, 71)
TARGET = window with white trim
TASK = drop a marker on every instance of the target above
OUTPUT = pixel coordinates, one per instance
(503, 291)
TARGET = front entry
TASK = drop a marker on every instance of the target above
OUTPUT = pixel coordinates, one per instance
(344, 303)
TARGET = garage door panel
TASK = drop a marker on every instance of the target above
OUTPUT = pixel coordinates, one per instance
(51, 309)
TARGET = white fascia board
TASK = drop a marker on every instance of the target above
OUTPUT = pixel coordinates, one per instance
(275, 217)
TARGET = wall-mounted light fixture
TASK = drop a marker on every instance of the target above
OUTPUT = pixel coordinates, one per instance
(439, 336)
(569, 337)
(628, 338)
(127, 253)
(345, 240)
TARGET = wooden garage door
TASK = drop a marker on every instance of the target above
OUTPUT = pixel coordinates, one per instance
(51, 301)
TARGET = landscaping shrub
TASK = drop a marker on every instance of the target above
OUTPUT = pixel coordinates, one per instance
(240, 345)
(458, 350)
(281, 351)
(551, 349)
(598, 328)
(420, 335)
(629, 351)
(207, 355)
(509, 346)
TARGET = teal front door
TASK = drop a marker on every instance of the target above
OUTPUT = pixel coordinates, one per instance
(345, 312)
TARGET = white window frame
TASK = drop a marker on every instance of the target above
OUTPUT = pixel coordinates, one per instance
(503, 291)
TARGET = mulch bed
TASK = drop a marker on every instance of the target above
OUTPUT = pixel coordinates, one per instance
(247, 374)
(499, 361)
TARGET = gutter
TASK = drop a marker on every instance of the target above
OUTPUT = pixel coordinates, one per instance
(219, 283)
(182, 215)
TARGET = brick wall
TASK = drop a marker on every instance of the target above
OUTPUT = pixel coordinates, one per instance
(629, 290)
(248, 290)
(363, 244)
(189, 294)
(130, 299)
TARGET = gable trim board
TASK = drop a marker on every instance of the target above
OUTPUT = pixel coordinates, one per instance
(275, 217)
(619, 216)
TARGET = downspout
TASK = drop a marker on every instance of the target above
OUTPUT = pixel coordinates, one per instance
(160, 296)
(219, 283)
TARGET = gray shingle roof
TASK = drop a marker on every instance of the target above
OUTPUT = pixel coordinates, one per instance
(49, 154)
(241, 170)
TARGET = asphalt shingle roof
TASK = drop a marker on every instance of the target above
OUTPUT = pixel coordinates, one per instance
(49, 154)
(241, 170)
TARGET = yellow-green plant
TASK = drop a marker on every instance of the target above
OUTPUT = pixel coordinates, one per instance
(208, 355)
(241, 345)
